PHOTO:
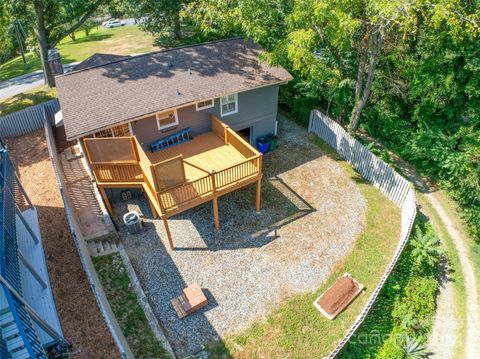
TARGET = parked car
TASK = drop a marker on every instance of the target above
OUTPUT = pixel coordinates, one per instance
(107, 21)
(114, 23)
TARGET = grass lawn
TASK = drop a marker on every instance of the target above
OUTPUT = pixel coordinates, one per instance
(128, 312)
(26, 99)
(296, 329)
(120, 40)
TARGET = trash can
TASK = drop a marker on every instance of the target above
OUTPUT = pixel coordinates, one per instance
(273, 142)
(133, 222)
(263, 144)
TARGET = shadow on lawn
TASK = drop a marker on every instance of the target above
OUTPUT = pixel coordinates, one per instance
(23, 100)
(89, 38)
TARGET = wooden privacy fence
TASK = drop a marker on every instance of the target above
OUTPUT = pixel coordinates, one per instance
(382, 176)
(28, 120)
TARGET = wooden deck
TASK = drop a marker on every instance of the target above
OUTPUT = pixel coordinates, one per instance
(206, 151)
(180, 177)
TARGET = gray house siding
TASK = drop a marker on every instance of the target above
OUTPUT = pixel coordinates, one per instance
(257, 109)
(146, 130)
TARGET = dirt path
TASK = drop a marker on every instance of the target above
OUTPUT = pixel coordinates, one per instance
(472, 345)
(443, 336)
(442, 339)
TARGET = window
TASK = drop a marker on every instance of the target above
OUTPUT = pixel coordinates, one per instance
(229, 104)
(117, 131)
(202, 105)
(103, 133)
(121, 130)
(167, 119)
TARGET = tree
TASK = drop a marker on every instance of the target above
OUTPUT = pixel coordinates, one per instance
(51, 21)
(335, 45)
(159, 14)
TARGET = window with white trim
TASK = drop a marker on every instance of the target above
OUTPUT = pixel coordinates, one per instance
(167, 119)
(229, 104)
(202, 105)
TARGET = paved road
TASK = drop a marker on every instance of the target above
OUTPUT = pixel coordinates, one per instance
(23, 83)
(26, 82)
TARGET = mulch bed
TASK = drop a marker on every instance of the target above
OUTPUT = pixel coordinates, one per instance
(80, 316)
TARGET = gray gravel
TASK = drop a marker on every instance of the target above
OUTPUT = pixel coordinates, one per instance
(311, 214)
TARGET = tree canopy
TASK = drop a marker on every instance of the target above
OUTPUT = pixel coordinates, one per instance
(406, 71)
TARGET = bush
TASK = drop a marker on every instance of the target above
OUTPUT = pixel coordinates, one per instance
(401, 318)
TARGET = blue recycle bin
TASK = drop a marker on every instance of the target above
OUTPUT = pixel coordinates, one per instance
(263, 144)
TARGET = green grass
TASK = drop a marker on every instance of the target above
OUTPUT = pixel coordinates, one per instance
(120, 40)
(126, 308)
(15, 67)
(296, 329)
(26, 99)
(455, 269)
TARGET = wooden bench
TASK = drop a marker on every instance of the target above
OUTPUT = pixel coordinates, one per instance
(172, 140)
(191, 300)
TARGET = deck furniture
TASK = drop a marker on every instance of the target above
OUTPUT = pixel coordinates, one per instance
(172, 140)
(179, 177)
(191, 300)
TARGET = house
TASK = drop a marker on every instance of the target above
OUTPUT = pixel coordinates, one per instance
(29, 322)
(181, 124)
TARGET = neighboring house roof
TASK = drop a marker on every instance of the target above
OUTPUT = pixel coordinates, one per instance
(97, 60)
(107, 94)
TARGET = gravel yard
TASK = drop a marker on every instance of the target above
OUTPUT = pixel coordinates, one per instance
(311, 215)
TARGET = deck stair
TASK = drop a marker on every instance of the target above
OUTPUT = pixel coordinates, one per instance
(103, 245)
(172, 140)
(11, 337)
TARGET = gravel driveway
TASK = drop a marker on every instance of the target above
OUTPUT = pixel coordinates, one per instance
(311, 214)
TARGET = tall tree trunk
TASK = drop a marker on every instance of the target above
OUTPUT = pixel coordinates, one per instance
(363, 51)
(176, 27)
(42, 40)
(376, 44)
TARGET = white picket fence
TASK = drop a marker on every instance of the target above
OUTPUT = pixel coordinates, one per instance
(382, 176)
(27, 120)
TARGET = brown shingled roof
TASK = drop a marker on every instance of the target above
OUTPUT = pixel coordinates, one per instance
(101, 96)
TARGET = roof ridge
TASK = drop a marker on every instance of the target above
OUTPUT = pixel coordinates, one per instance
(130, 57)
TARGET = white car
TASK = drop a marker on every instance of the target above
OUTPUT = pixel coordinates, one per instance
(114, 23)
(107, 21)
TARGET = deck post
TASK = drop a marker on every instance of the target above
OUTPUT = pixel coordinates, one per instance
(216, 221)
(105, 199)
(169, 235)
(152, 207)
(259, 190)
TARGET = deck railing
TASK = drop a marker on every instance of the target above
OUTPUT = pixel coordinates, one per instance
(240, 144)
(166, 180)
(9, 261)
(238, 172)
(118, 172)
(173, 198)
